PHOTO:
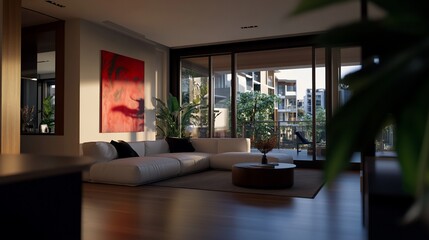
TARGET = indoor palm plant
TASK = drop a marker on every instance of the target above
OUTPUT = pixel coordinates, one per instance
(173, 118)
(392, 89)
(48, 112)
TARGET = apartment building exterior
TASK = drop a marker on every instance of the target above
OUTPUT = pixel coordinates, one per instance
(288, 103)
(320, 100)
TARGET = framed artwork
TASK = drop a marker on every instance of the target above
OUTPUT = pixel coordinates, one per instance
(122, 93)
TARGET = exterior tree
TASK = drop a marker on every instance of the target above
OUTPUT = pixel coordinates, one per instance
(255, 113)
(320, 124)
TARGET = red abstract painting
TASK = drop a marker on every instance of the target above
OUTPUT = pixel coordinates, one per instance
(122, 93)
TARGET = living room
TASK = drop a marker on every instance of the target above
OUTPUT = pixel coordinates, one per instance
(116, 212)
(83, 42)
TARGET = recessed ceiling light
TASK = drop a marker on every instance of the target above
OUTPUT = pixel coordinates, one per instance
(249, 27)
(55, 3)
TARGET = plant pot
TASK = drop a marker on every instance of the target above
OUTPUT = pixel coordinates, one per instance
(44, 128)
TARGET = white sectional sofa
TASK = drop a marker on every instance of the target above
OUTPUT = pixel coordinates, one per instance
(155, 162)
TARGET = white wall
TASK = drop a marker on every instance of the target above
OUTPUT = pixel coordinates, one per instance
(84, 41)
(93, 39)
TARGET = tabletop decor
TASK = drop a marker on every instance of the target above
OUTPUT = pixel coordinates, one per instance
(265, 145)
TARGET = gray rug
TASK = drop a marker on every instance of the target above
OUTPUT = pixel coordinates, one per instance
(307, 183)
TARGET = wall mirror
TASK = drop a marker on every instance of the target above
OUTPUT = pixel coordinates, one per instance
(42, 79)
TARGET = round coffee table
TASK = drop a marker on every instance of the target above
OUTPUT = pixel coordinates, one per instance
(255, 175)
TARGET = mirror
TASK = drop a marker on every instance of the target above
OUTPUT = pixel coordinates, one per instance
(40, 78)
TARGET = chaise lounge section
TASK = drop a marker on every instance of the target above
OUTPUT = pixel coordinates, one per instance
(156, 161)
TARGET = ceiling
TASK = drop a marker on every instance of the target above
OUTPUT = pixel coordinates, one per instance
(185, 23)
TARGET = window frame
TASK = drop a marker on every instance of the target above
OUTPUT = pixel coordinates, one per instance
(176, 55)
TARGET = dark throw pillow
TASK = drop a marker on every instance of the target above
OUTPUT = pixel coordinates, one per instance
(179, 145)
(124, 149)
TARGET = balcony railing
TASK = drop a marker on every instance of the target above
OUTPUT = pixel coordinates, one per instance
(288, 108)
(285, 130)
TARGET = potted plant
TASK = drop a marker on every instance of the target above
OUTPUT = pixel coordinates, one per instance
(48, 115)
(27, 115)
(265, 143)
(172, 119)
(391, 87)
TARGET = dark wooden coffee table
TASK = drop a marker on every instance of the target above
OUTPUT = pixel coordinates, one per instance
(254, 175)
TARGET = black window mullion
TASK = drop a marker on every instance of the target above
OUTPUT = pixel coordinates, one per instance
(233, 95)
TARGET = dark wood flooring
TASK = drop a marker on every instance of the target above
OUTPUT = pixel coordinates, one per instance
(148, 212)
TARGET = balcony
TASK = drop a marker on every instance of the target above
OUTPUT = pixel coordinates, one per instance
(287, 140)
(290, 93)
(282, 108)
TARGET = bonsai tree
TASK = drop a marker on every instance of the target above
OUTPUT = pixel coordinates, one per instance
(391, 87)
(172, 119)
(27, 116)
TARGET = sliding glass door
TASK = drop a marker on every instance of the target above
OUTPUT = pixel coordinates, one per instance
(283, 91)
(291, 92)
(194, 88)
(221, 69)
(207, 81)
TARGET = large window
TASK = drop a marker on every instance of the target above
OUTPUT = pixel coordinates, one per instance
(195, 88)
(304, 88)
(207, 81)
(221, 75)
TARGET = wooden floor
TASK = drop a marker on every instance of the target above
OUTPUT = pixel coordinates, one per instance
(148, 212)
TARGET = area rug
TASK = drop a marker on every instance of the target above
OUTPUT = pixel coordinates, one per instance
(307, 183)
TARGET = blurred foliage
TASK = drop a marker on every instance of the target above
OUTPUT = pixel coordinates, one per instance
(391, 90)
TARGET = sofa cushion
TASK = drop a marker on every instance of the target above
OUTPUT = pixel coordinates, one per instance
(139, 147)
(225, 161)
(179, 145)
(124, 149)
(207, 145)
(233, 145)
(156, 147)
(135, 171)
(190, 161)
(219, 145)
(100, 151)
